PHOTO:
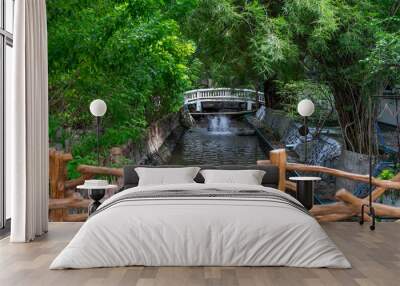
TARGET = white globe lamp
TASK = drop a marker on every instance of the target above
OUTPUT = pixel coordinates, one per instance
(305, 108)
(98, 108)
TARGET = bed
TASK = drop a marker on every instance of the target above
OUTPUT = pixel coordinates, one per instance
(197, 224)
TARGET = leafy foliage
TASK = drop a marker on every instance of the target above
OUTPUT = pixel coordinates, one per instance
(386, 174)
(350, 46)
(130, 53)
(293, 91)
(231, 41)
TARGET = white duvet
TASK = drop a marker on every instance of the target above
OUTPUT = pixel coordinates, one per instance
(200, 231)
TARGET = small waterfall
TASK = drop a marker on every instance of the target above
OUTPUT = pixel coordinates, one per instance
(260, 113)
(219, 124)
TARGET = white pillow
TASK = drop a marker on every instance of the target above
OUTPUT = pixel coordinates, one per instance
(248, 177)
(166, 176)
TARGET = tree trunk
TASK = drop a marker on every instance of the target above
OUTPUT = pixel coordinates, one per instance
(270, 95)
(353, 115)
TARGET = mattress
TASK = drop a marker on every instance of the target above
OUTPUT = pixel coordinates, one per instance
(201, 225)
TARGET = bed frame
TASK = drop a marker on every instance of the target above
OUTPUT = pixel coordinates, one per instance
(270, 179)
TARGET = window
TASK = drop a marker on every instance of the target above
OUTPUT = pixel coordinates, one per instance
(6, 60)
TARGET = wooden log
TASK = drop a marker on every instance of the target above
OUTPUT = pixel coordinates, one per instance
(278, 158)
(66, 157)
(336, 212)
(385, 184)
(291, 186)
(68, 203)
(376, 193)
(344, 210)
(94, 170)
(76, 217)
(343, 174)
(337, 217)
(352, 201)
(70, 184)
(71, 193)
(335, 208)
(263, 162)
(356, 203)
(352, 207)
(57, 173)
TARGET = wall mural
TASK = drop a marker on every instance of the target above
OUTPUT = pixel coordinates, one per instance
(209, 81)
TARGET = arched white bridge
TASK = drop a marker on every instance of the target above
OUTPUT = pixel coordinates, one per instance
(198, 96)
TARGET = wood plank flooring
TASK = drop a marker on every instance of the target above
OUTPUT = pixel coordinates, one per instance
(375, 257)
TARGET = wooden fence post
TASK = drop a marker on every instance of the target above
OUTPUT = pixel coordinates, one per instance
(58, 175)
(278, 158)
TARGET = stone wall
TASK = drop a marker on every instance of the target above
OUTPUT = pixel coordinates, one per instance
(351, 162)
(159, 140)
(321, 151)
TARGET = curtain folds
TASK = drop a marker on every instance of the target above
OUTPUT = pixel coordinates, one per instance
(27, 124)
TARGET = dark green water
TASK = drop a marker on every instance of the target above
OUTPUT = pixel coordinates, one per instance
(215, 141)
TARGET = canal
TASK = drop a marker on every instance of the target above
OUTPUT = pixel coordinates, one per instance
(219, 140)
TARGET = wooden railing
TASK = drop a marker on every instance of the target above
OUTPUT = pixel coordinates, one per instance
(62, 191)
(348, 205)
(64, 197)
(223, 94)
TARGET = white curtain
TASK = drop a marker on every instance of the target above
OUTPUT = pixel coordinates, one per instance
(27, 124)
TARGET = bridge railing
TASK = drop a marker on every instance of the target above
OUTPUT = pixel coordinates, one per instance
(228, 94)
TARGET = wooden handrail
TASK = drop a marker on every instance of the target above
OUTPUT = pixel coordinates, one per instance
(343, 174)
(70, 184)
(75, 217)
(337, 173)
(95, 170)
(68, 203)
(348, 205)
(63, 197)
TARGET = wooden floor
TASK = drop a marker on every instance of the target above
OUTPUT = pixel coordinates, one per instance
(375, 257)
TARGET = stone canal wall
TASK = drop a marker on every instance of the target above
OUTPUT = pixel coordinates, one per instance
(283, 133)
(156, 145)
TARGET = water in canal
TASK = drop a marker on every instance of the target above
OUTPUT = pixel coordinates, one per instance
(219, 140)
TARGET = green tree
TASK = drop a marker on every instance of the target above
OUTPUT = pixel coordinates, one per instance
(350, 46)
(348, 33)
(232, 37)
(130, 53)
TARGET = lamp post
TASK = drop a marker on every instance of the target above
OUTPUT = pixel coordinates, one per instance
(98, 108)
(305, 108)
